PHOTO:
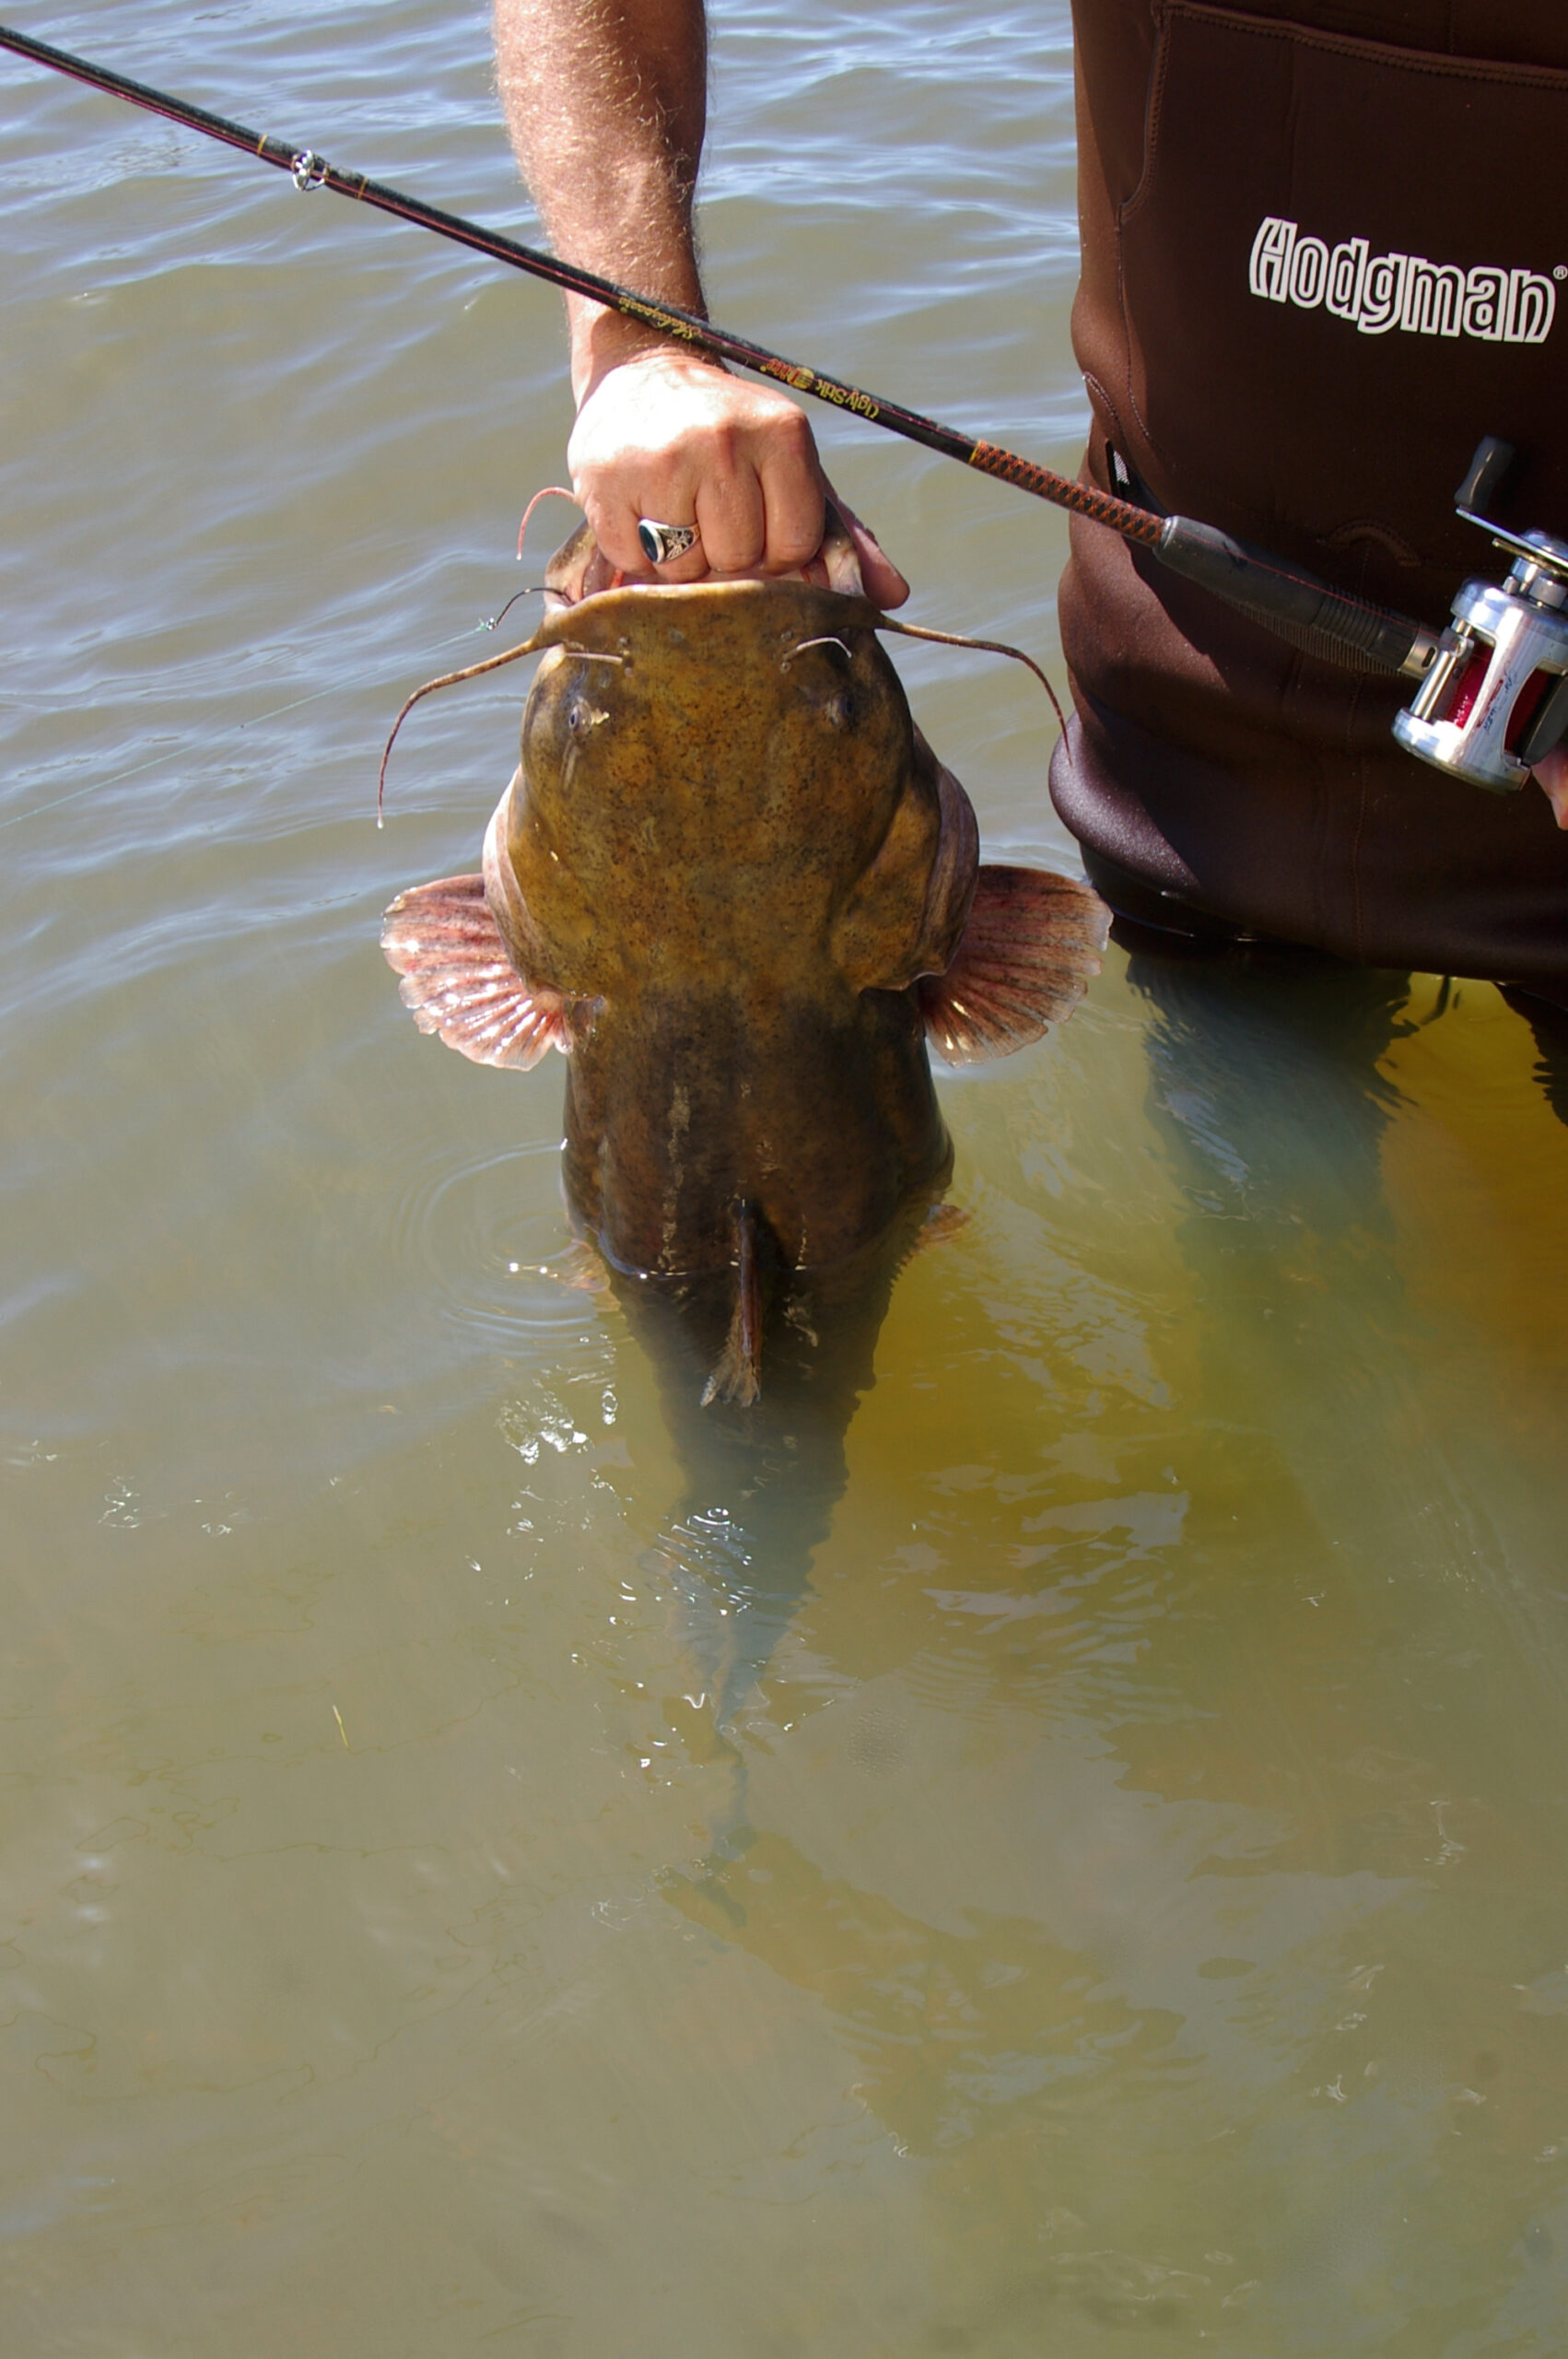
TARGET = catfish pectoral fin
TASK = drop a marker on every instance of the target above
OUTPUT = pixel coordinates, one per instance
(1032, 943)
(942, 1224)
(458, 980)
(738, 1376)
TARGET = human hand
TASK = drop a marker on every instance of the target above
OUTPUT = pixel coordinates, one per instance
(1552, 775)
(662, 433)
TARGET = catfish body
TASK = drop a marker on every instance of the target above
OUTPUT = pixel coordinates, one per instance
(730, 881)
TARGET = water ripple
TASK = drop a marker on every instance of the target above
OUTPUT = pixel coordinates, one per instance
(487, 1235)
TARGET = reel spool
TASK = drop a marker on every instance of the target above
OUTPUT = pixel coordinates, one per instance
(1494, 700)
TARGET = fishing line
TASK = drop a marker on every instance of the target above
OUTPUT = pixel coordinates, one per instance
(1285, 598)
(255, 720)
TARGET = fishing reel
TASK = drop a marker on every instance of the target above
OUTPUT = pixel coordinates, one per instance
(1495, 699)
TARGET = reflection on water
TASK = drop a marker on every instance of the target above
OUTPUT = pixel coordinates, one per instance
(1060, 1847)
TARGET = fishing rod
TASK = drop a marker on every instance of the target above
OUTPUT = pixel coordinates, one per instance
(1329, 623)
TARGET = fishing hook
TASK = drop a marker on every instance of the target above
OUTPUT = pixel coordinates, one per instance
(495, 622)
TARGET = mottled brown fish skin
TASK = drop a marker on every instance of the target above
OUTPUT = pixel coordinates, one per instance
(821, 1118)
(732, 882)
(735, 854)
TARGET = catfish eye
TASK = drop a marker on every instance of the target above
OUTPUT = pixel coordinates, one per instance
(583, 717)
(838, 710)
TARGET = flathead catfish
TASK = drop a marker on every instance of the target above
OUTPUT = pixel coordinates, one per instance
(733, 884)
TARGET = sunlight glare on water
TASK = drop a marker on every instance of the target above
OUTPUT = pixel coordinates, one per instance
(1089, 1871)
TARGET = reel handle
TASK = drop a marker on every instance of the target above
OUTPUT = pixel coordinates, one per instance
(1493, 459)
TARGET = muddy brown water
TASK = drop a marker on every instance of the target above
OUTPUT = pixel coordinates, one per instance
(1128, 1911)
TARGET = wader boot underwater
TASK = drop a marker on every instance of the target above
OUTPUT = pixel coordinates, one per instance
(1320, 262)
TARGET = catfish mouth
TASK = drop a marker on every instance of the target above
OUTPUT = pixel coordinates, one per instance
(579, 570)
(773, 620)
(604, 580)
(580, 577)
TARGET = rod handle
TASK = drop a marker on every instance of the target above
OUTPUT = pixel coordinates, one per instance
(1293, 603)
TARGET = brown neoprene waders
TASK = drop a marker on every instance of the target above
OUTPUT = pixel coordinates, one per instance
(1324, 253)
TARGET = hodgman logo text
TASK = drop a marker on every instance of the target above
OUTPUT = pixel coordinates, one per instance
(1376, 292)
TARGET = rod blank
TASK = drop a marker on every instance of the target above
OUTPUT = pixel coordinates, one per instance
(1295, 605)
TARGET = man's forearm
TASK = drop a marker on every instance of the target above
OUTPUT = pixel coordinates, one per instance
(606, 101)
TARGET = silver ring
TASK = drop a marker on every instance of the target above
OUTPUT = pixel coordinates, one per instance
(662, 542)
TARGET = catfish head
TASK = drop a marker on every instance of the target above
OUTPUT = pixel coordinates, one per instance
(721, 790)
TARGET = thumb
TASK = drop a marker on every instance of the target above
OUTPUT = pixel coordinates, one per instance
(1552, 774)
(885, 586)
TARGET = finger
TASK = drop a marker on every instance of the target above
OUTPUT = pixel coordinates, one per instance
(620, 480)
(1552, 775)
(731, 517)
(682, 565)
(615, 512)
(794, 492)
(885, 586)
(613, 527)
(679, 441)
